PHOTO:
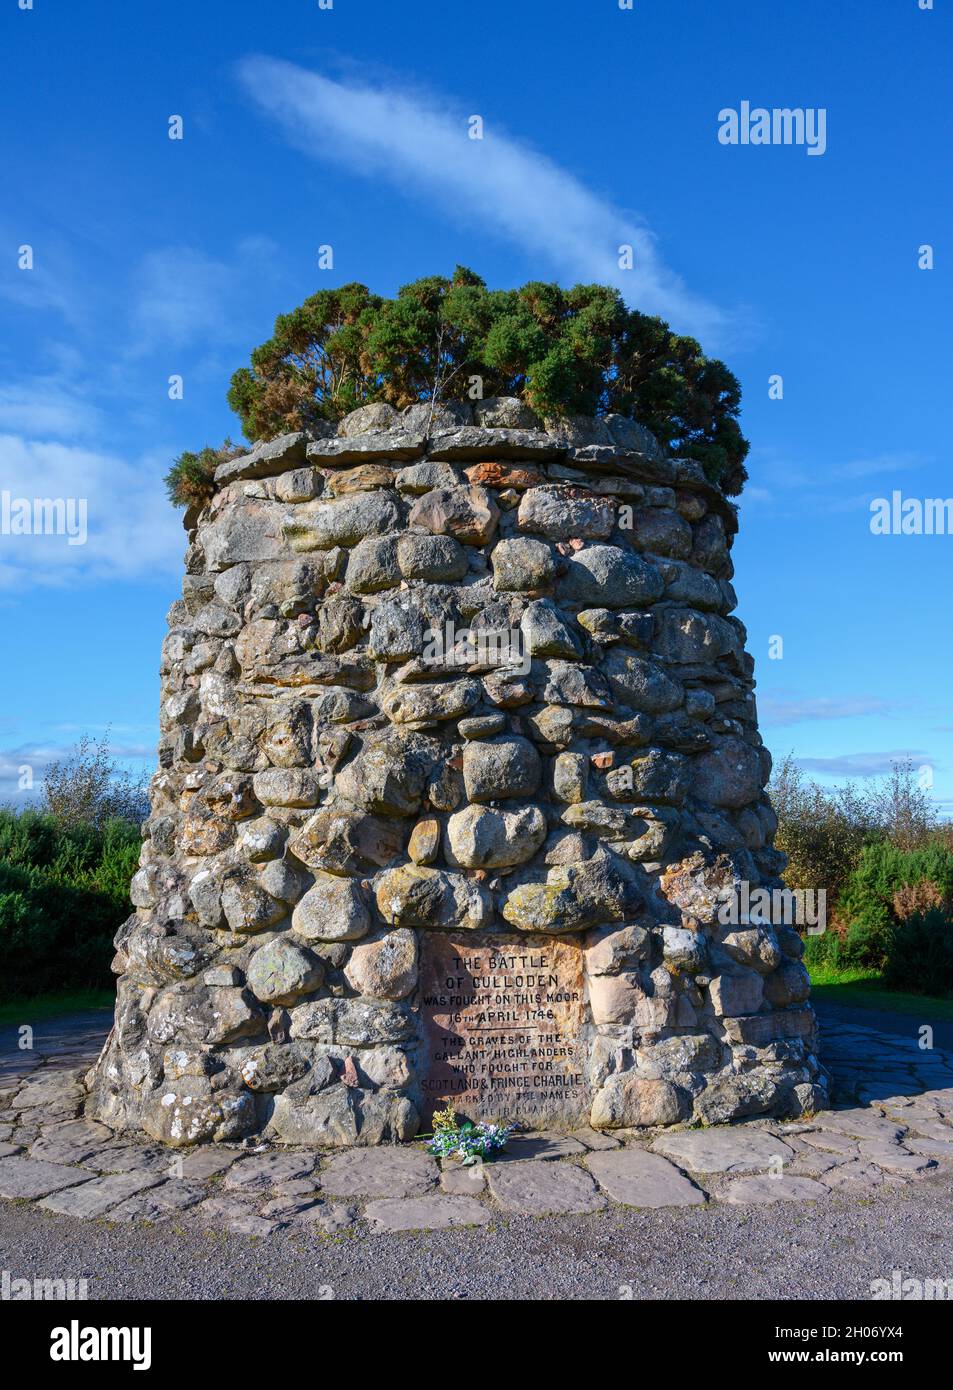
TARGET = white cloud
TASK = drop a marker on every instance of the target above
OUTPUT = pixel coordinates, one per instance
(53, 284)
(183, 296)
(794, 488)
(862, 764)
(133, 532)
(180, 293)
(46, 408)
(793, 709)
(499, 181)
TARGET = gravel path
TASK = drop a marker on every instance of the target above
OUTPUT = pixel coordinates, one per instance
(789, 1250)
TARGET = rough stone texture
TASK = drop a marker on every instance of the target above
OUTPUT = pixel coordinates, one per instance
(31, 1178)
(741, 1150)
(639, 1179)
(460, 1181)
(382, 1173)
(97, 1197)
(536, 1188)
(433, 1213)
(451, 671)
(770, 1189)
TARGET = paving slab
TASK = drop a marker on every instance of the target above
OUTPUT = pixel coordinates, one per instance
(325, 1218)
(929, 1129)
(161, 1202)
(381, 1172)
(537, 1188)
(206, 1162)
(763, 1189)
(49, 1089)
(458, 1181)
(859, 1124)
(933, 1148)
(32, 1177)
(596, 1139)
(859, 1174)
(899, 1161)
(541, 1146)
(263, 1172)
(73, 1142)
(132, 1158)
(816, 1164)
(831, 1141)
(234, 1215)
(435, 1212)
(638, 1178)
(738, 1149)
(95, 1198)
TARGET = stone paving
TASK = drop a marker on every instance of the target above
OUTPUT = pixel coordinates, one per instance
(893, 1126)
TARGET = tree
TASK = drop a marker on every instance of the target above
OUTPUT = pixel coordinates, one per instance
(566, 352)
(87, 787)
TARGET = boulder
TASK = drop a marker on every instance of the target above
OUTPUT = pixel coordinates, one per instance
(281, 971)
(479, 838)
(500, 768)
(636, 1102)
(467, 513)
(385, 968)
(334, 909)
(415, 896)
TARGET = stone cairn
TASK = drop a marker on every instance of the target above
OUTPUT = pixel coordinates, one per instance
(459, 766)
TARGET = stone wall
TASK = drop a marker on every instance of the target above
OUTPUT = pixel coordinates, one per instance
(396, 858)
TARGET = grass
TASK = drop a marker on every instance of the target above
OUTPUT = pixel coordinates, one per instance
(865, 989)
(28, 1010)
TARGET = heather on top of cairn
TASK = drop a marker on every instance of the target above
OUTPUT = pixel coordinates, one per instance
(560, 353)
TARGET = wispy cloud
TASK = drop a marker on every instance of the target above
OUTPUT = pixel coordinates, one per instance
(183, 296)
(789, 487)
(862, 764)
(878, 466)
(422, 145)
(47, 408)
(795, 709)
(51, 285)
(132, 530)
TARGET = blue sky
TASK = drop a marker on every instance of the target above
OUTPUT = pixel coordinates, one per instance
(348, 127)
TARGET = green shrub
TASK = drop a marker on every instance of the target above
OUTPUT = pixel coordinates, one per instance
(920, 954)
(566, 352)
(882, 870)
(867, 936)
(191, 479)
(825, 951)
(867, 904)
(64, 890)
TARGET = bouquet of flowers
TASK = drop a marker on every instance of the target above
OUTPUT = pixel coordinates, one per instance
(470, 1143)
